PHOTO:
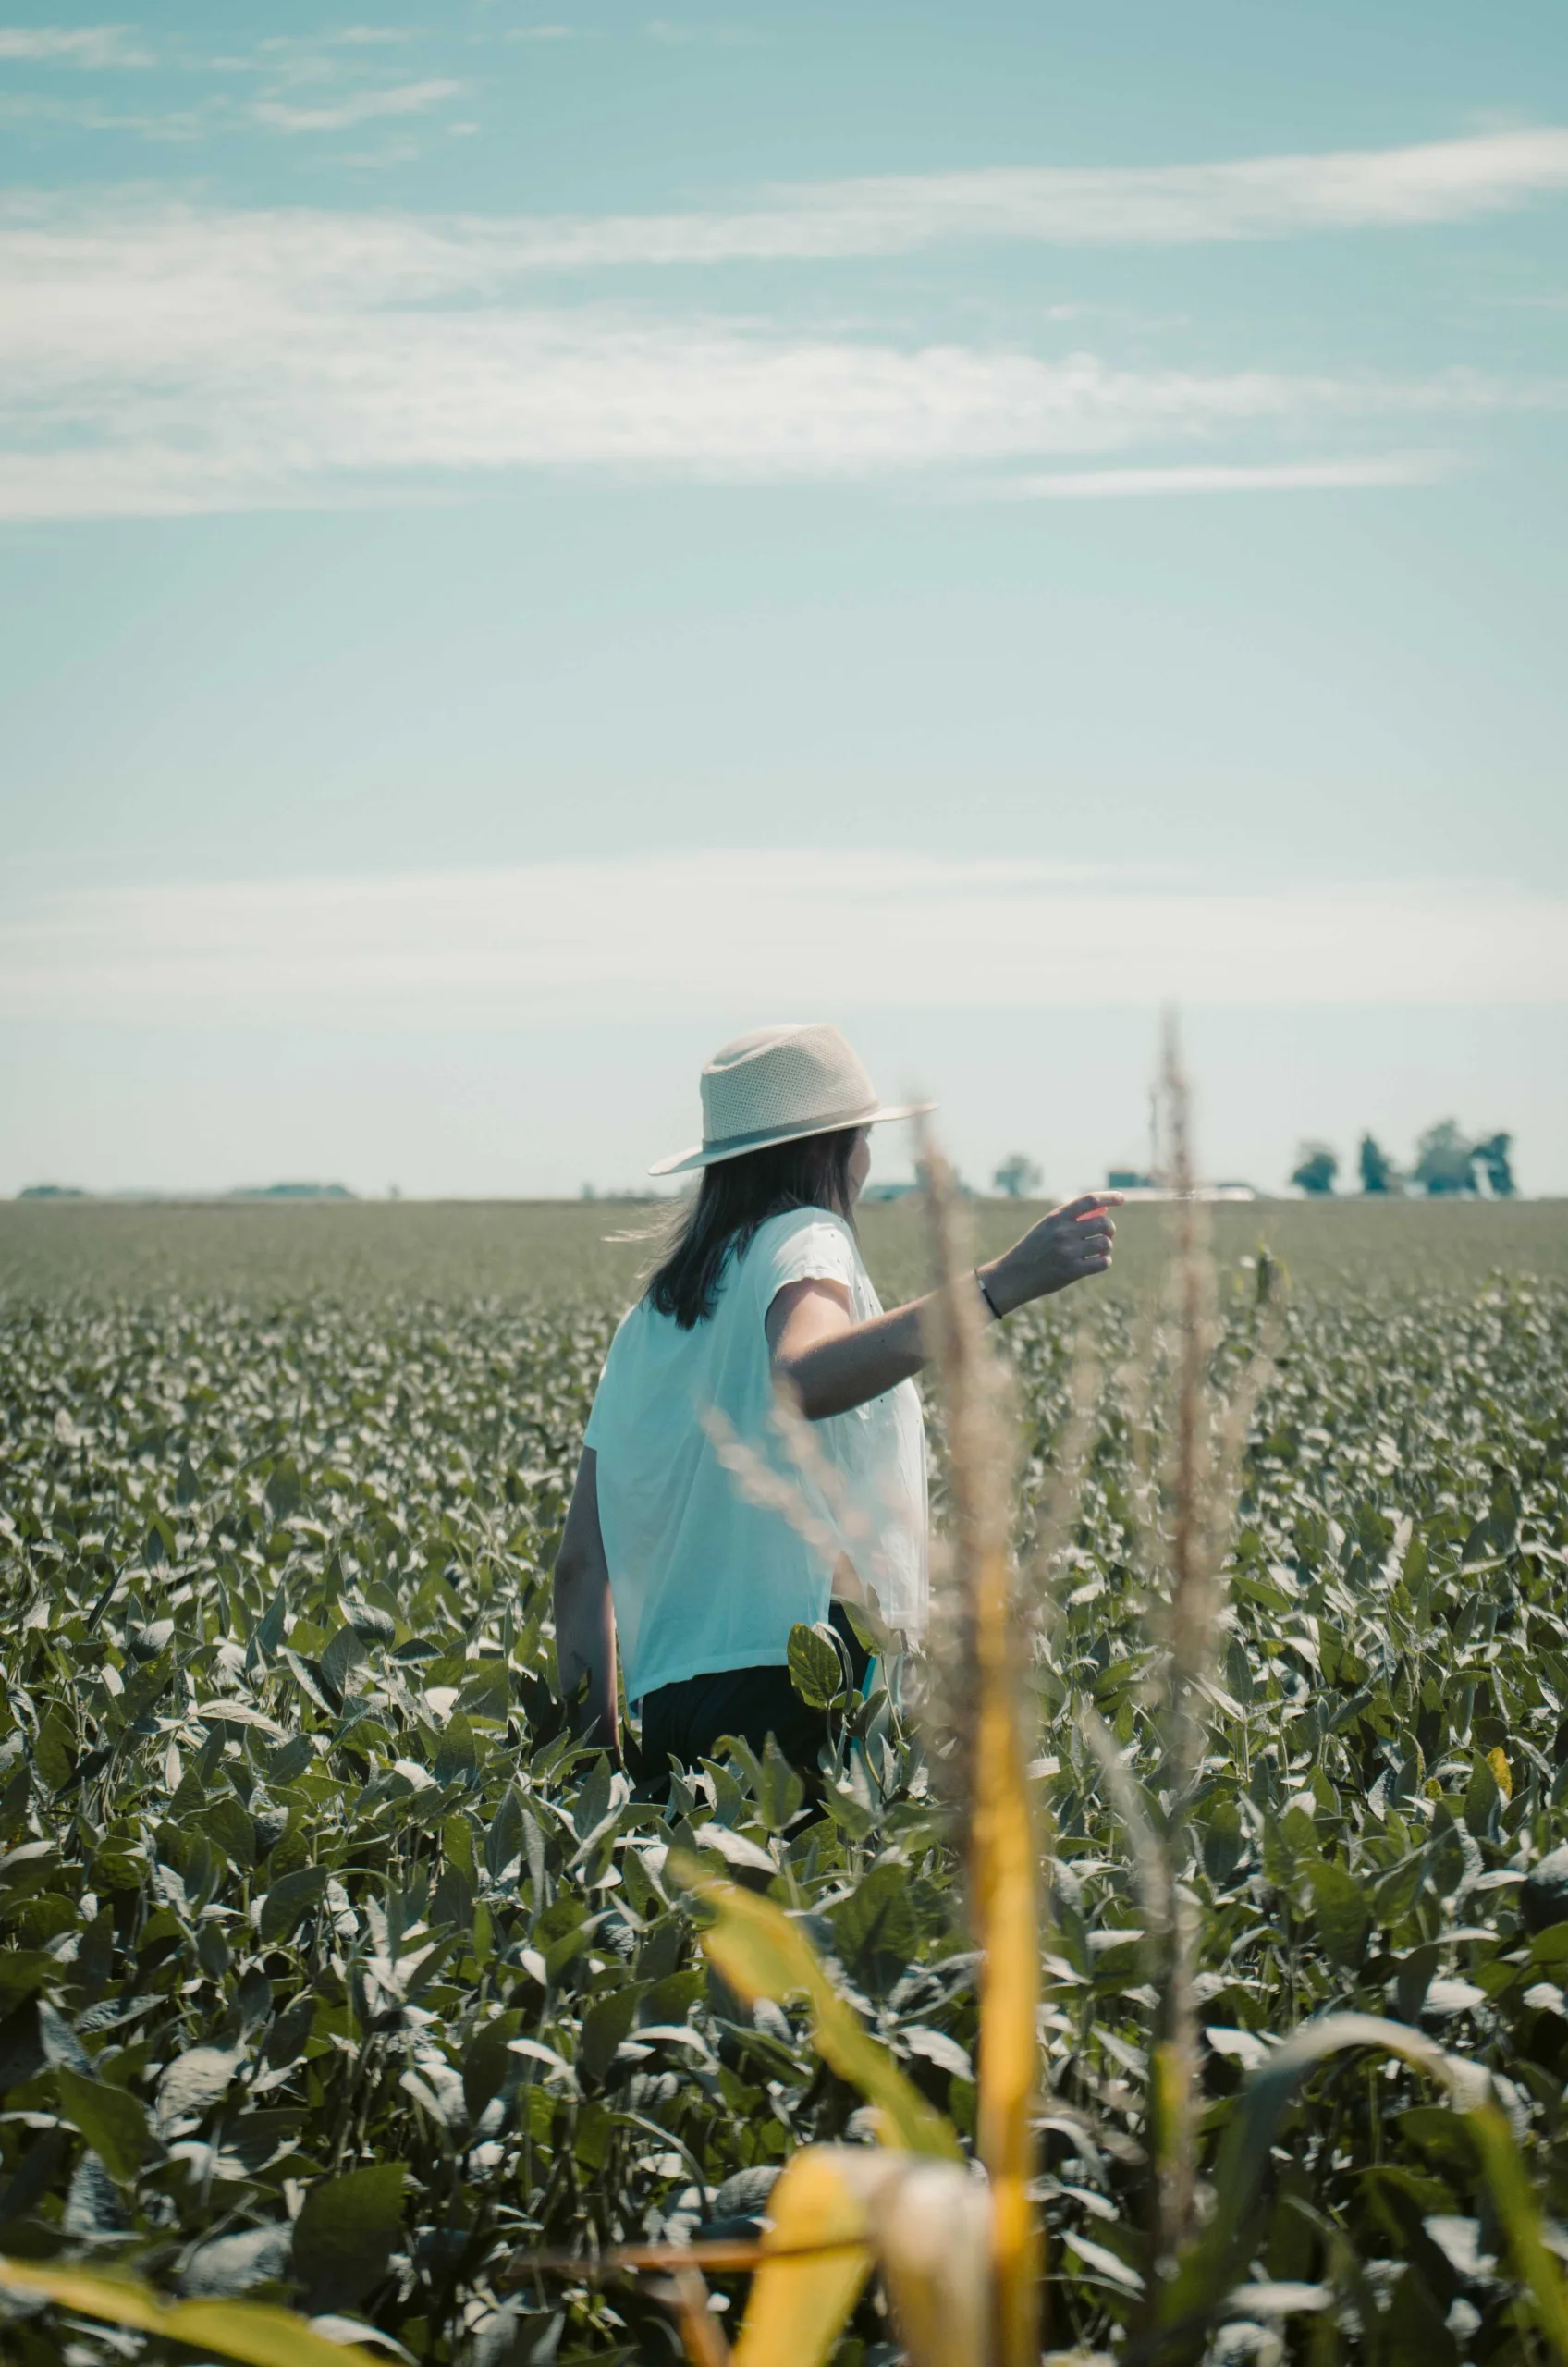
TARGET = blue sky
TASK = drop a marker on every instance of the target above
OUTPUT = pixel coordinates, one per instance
(531, 541)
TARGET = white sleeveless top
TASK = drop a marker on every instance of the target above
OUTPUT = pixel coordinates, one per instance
(703, 1576)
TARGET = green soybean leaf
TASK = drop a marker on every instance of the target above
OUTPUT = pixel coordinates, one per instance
(114, 2124)
(345, 2234)
(815, 1671)
(290, 1899)
(1340, 1912)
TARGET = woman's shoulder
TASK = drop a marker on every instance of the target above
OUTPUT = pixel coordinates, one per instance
(640, 1324)
(645, 1340)
(786, 1223)
(799, 1245)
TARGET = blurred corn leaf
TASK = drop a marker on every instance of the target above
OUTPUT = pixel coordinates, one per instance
(797, 2307)
(925, 2223)
(762, 1953)
(248, 2332)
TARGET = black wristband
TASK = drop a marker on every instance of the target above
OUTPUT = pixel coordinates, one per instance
(985, 1294)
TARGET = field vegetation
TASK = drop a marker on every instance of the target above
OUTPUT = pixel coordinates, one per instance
(334, 1974)
(550, 1253)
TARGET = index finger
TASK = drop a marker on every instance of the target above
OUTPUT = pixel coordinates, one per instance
(1090, 1204)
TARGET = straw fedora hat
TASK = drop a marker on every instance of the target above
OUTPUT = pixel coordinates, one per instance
(777, 1085)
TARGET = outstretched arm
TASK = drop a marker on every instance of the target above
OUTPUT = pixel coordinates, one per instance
(833, 1363)
(584, 1615)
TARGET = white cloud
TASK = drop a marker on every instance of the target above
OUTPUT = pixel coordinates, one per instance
(677, 34)
(357, 106)
(675, 936)
(1260, 196)
(1281, 476)
(93, 47)
(157, 359)
(324, 82)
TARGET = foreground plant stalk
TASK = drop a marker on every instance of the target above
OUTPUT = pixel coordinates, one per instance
(1001, 1846)
(1192, 1613)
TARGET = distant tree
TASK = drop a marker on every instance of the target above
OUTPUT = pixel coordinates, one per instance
(1018, 1176)
(292, 1192)
(1492, 1159)
(1379, 1172)
(1445, 1161)
(1316, 1168)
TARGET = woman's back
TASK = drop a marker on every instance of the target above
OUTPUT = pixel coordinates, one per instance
(704, 1578)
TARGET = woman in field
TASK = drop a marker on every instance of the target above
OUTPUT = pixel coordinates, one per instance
(761, 1289)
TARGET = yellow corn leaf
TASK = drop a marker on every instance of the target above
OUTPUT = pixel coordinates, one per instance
(1003, 1892)
(797, 2307)
(1502, 1774)
(248, 2332)
(762, 1953)
(925, 2223)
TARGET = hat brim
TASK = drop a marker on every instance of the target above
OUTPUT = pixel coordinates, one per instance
(737, 1145)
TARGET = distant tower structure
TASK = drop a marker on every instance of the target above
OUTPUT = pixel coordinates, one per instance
(1157, 1167)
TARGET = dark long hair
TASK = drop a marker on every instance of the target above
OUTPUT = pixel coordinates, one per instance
(734, 1197)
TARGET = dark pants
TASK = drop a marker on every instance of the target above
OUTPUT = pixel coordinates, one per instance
(686, 1719)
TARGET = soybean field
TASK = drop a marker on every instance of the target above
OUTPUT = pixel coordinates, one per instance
(335, 1975)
